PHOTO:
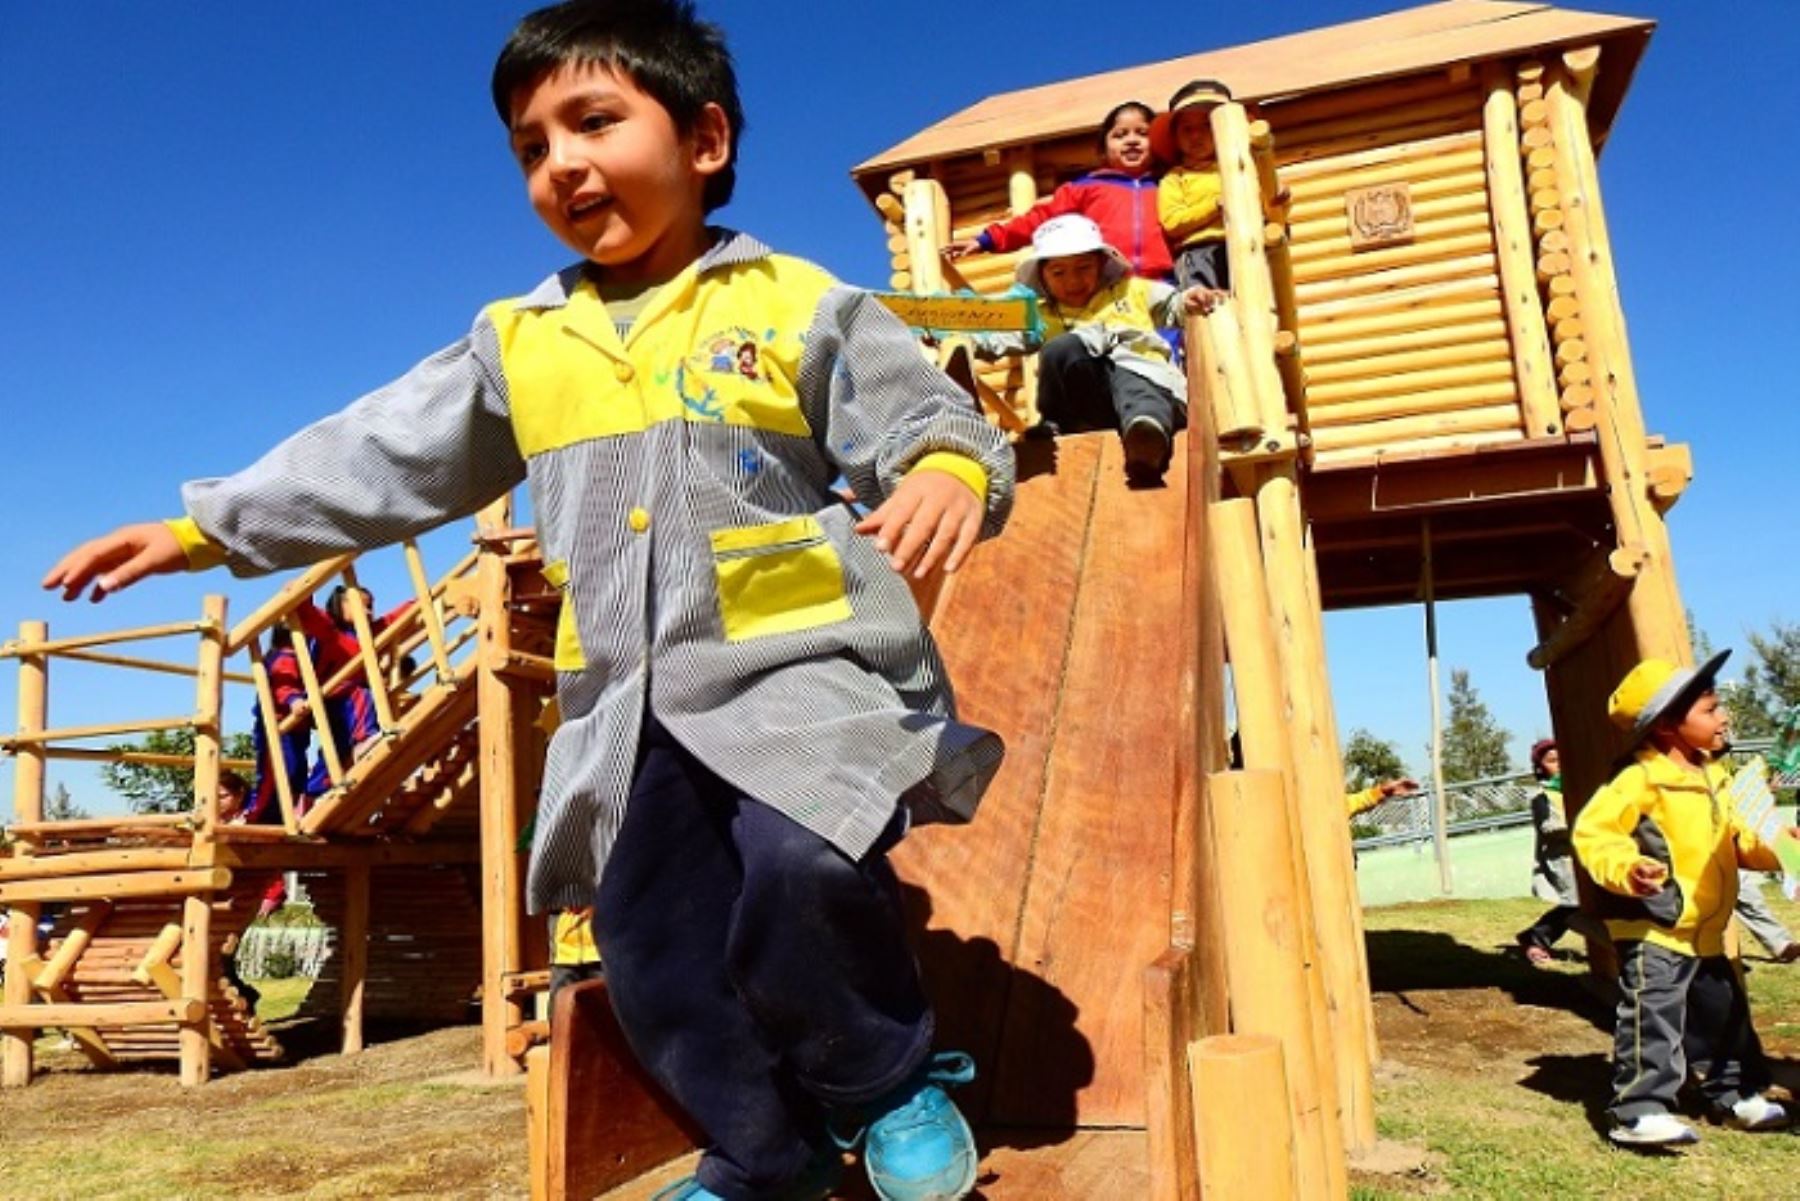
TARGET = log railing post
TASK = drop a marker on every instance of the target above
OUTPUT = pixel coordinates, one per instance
(495, 699)
(28, 806)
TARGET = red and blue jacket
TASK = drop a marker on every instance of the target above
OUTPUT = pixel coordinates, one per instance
(1123, 206)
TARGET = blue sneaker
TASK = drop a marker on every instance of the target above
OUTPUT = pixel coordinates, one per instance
(917, 1145)
(816, 1183)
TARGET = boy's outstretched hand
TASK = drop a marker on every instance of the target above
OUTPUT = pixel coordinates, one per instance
(931, 518)
(118, 560)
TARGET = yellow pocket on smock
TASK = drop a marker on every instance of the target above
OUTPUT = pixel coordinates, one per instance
(568, 655)
(778, 578)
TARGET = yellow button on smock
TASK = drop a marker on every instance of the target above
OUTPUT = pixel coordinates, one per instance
(624, 372)
(639, 520)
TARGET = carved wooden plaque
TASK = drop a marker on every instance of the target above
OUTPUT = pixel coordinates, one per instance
(1380, 215)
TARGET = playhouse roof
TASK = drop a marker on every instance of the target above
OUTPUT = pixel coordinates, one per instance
(1397, 44)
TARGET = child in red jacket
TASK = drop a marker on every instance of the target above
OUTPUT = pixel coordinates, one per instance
(1119, 197)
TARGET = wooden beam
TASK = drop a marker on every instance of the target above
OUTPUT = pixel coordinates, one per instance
(115, 886)
(107, 1016)
(83, 863)
(1593, 607)
(1252, 286)
(197, 1033)
(24, 647)
(301, 854)
(1496, 475)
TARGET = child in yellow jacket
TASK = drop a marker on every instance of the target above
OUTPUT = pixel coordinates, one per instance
(1189, 197)
(1664, 843)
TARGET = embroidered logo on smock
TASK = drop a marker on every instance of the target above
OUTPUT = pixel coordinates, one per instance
(733, 354)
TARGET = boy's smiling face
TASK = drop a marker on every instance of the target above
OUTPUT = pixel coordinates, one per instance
(611, 175)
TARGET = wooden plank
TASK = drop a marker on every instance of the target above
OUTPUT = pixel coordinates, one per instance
(16, 1055)
(966, 889)
(117, 885)
(605, 1121)
(1097, 904)
(353, 952)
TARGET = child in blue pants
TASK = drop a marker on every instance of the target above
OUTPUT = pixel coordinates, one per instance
(750, 704)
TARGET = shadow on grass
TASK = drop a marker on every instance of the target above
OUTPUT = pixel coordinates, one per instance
(1402, 961)
(1584, 1080)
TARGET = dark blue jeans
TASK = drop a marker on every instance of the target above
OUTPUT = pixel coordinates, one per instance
(759, 974)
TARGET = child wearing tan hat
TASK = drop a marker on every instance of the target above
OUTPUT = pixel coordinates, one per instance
(1664, 842)
(1188, 200)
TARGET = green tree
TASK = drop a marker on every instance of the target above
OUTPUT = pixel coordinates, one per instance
(1474, 741)
(1369, 760)
(61, 807)
(157, 788)
(1770, 683)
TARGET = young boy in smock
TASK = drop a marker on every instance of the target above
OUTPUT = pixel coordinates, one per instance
(752, 714)
(1664, 842)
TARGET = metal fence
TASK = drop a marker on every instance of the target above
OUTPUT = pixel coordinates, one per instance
(1478, 805)
(303, 948)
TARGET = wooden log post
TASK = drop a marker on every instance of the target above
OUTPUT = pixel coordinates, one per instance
(1252, 286)
(365, 645)
(28, 806)
(500, 885)
(209, 705)
(1246, 1129)
(196, 988)
(1320, 785)
(1654, 603)
(1222, 376)
(271, 723)
(1266, 962)
(355, 956)
(1513, 248)
(927, 233)
(1263, 732)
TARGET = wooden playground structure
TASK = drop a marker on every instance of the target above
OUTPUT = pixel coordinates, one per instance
(1421, 388)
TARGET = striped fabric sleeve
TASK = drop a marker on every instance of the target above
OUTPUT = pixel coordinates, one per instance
(433, 445)
(879, 409)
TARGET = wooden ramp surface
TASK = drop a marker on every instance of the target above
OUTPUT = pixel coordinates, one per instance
(1040, 918)
(1038, 921)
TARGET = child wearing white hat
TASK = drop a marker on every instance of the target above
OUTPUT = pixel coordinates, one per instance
(1103, 365)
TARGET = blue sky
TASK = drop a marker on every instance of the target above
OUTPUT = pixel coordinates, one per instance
(223, 220)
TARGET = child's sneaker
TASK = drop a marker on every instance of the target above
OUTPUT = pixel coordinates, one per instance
(816, 1183)
(1654, 1130)
(1757, 1113)
(917, 1145)
(1147, 444)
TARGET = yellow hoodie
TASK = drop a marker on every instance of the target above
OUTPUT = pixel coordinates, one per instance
(1707, 842)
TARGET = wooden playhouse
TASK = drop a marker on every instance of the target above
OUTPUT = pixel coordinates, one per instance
(1422, 386)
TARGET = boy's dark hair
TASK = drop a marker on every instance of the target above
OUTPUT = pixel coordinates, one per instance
(233, 783)
(1118, 110)
(1197, 85)
(679, 60)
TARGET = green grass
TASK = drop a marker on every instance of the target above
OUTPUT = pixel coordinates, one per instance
(1525, 1119)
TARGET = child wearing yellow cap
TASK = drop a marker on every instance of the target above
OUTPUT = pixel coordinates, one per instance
(1664, 842)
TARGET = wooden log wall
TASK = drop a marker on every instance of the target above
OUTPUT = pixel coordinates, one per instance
(1554, 266)
(424, 944)
(1406, 346)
